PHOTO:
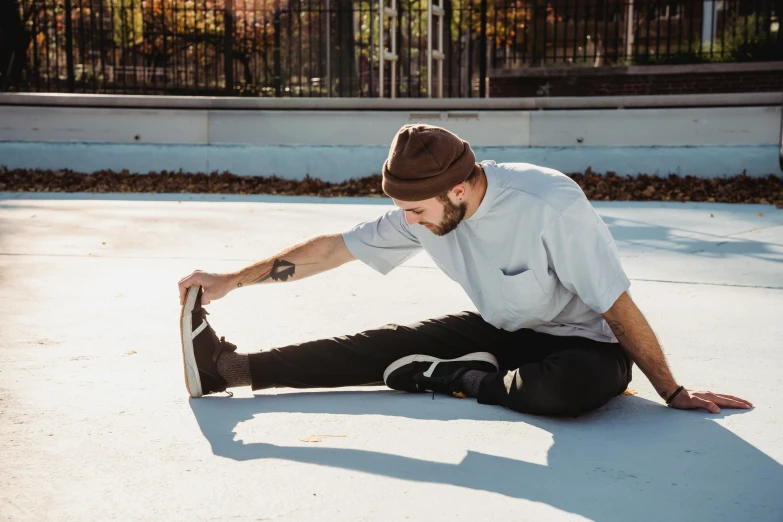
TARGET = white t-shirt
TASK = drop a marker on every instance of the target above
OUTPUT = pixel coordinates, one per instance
(535, 254)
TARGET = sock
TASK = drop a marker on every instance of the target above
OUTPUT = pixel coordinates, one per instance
(470, 381)
(235, 369)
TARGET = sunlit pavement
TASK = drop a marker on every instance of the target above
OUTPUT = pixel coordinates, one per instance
(96, 424)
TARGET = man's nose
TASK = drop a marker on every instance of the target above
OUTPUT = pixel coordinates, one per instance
(411, 218)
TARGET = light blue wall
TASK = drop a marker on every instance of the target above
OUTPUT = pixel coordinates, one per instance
(339, 163)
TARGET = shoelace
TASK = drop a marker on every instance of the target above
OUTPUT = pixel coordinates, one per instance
(222, 345)
(457, 394)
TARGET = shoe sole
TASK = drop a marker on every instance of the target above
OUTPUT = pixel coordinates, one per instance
(473, 357)
(192, 380)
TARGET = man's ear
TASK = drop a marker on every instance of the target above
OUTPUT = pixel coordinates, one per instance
(459, 191)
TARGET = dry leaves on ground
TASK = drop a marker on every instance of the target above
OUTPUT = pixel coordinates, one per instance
(766, 190)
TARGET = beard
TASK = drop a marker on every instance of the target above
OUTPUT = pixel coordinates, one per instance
(452, 216)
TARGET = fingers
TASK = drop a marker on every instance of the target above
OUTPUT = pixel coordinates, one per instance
(185, 283)
(728, 401)
(711, 407)
(750, 404)
(712, 402)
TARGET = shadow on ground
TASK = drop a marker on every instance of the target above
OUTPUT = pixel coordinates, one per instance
(631, 460)
(659, 237)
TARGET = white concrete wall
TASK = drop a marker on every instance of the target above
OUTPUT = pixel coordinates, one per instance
(730, 126)
(337, 145)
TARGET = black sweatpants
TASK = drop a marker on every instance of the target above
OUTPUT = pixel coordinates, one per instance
(539, 373)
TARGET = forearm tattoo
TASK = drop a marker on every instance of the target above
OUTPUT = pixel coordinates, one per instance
(281, 270)
(617, 328)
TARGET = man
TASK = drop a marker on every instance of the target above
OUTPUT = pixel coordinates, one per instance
(528, 249)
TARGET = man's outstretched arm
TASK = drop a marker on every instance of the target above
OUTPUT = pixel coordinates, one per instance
(305, 259)
(637, 338)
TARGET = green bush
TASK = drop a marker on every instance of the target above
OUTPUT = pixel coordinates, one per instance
(679, 58)
(743, 39)
(748, 39)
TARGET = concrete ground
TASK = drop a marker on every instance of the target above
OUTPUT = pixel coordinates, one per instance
(95, 422)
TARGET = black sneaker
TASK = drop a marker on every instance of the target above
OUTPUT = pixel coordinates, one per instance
(423, 373)
(200, 347)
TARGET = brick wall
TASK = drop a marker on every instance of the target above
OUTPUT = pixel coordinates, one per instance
(630, 81)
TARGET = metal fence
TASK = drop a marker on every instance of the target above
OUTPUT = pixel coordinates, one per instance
(598, 33)
(331, 47)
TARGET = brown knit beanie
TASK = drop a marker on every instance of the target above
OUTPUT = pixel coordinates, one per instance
(425, 161)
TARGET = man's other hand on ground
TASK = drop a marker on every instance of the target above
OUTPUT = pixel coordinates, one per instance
(712, 402)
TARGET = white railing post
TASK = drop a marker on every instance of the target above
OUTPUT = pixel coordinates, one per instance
(434, 10)
(629, 32)
(384, 55)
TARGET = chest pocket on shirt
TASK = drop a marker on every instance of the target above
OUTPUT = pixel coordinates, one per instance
(522, 294)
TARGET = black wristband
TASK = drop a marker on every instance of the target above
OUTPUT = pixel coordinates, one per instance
(673, 395)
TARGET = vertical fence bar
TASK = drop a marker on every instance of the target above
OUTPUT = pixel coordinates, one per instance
(509, 34)
(395, 62)
(57, 48)
(310, 45)
(370, 54)
(69, 45)
(617, 36)
(493, 38)
(132, 43)
(554, 33)
(576, 18)
(277, 73)
(596, 38)
(264, 40)
(195, 49)
(409, 15)
(381, 47)
(100, 40)
(228, 57)
(605, 42)
(429, 48)
(300, 67)
(52, 35)
(657, 29)
(243, 81)
(290, 61)
(164, 44)
(442, 56)
(483, 51)
(680, 18)
(321, 70)
(668, 30)
(92, 50)
(629, 32)
(82, 53)
(36, 59)
(468, 50)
